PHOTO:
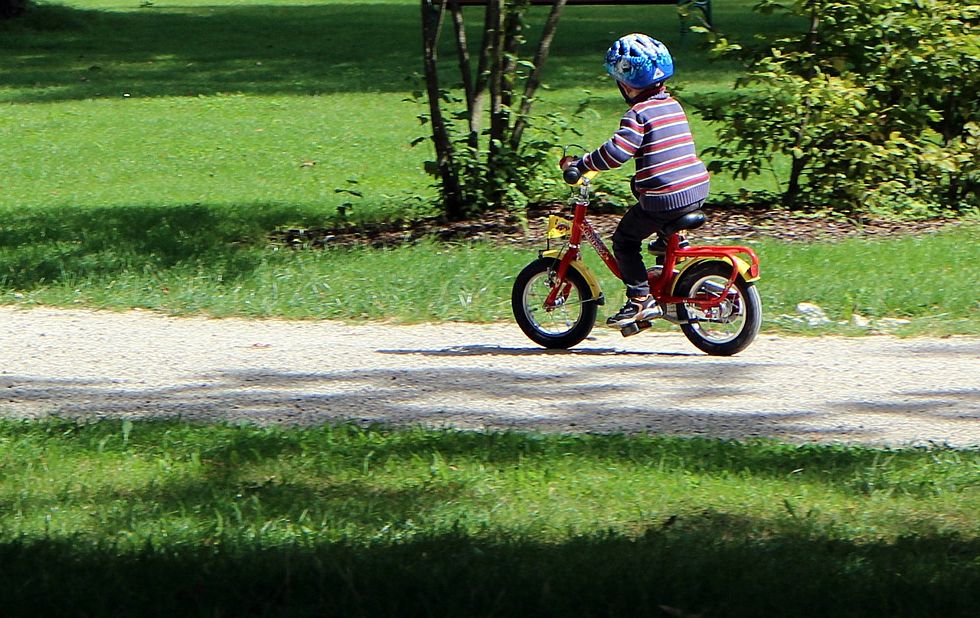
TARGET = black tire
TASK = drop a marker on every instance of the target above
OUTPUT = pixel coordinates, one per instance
(563, 326)
(740, 315)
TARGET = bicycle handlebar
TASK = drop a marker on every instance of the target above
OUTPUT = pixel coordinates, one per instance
(572, 175)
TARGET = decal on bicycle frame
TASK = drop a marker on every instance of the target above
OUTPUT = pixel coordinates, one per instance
(600, 247)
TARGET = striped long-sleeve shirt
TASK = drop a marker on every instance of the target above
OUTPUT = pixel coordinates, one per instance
(656, 134)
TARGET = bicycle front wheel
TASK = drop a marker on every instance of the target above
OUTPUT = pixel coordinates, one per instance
(569, 320)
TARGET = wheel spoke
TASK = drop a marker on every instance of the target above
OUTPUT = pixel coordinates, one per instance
(559, 319)
(731, 325)
(718, 324)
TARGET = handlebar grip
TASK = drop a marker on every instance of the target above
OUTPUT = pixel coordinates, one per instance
(572, 175)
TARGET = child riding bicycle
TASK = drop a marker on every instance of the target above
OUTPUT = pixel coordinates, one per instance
(670, 179)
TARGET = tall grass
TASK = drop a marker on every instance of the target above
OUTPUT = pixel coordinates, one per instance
(211, 260)
(162, 519)
(932, 279)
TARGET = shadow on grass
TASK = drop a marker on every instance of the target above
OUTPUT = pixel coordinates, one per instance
(708, 566)
(42, 245)
(58, 53)
(699, 561)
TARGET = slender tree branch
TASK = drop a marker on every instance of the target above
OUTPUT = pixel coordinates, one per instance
(496, 59)
(462, 50)
(491, 27)
(534, 79)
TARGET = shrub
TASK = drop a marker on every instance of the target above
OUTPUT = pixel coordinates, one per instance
(874, 105)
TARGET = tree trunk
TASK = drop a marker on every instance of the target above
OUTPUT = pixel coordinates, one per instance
(793, 186)
(476, 176)
(445, 166)
(791, 197)
(491, 26)
(497, 113)
(513, 36)
(462, 51)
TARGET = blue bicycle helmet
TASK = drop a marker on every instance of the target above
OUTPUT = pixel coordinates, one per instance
(639, 61)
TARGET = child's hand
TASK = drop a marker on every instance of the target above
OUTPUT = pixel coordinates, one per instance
(567, 162)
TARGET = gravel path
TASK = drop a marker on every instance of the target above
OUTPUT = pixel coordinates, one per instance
(876, 390)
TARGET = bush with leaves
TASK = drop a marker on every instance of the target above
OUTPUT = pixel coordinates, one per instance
(12, 8)
(874, 105)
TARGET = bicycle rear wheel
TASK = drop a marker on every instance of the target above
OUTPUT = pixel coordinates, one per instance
(731, 326)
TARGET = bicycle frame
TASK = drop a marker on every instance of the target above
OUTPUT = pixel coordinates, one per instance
(661, 286)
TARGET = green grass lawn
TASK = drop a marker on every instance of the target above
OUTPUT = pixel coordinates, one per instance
(168, 519)
(222, 103)
(150, 150)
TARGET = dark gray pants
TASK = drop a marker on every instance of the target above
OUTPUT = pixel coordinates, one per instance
(637, 225)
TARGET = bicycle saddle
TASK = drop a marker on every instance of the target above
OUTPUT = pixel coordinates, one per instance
(689, 221)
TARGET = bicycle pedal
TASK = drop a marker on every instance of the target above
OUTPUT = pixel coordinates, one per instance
(634, 327)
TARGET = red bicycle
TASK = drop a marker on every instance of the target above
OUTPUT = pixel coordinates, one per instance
(709, 291)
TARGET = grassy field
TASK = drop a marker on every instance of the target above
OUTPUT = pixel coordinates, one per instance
(221, 103)
(150, 148)
(166, 519)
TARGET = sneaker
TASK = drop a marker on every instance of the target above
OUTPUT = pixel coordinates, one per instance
(659, 246)
(634, 310)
